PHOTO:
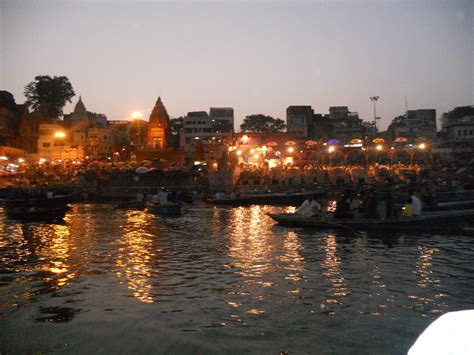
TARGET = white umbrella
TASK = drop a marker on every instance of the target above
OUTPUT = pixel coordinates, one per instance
(141, 170)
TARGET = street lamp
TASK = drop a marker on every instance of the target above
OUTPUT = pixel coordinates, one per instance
(374, 99)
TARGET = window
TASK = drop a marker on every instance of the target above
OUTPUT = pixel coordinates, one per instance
(46, 145)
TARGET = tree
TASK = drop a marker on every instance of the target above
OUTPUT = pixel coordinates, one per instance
(49, 93)
(262, 123)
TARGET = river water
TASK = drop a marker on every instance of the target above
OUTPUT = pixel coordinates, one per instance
(221, 280)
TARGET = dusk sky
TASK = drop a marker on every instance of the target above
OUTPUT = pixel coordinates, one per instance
(257, 57)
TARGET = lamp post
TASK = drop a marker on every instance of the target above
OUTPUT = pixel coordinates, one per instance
(374, 99)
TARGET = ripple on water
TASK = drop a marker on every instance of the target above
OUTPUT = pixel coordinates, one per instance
(228, 278)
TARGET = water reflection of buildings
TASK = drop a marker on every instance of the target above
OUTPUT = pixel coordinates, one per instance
(134, 255)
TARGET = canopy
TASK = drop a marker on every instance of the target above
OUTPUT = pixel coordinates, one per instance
(400, 139)
(290, 143)
(271, 144)
(310, 142)
(378, 140)
(355, 141)
(334, 141)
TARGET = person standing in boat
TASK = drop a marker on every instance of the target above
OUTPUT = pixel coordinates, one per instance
(416, 202)
(163, 197)
(310, 207)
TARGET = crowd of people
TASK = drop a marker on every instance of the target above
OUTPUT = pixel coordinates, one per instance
(368, 204)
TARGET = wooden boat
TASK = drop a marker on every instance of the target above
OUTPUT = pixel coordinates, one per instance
(59, 201)
(275, 199)
(168, 209)
(438, 220)
(33, 214)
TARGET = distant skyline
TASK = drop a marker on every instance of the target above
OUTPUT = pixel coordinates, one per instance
(257, 57)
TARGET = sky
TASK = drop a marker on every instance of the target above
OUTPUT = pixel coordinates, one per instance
(255, 56)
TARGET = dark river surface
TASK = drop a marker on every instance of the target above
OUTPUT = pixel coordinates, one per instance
(221, 280)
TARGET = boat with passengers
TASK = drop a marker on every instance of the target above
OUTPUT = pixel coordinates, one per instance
(432, 220)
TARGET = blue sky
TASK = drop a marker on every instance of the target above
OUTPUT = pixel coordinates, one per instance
(258, 57)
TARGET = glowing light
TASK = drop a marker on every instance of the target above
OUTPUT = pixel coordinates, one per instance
(59, 134)
(422, 146)
(21, 160)
(331, 149)
(245, 139)
(239, 152)
(291, 149)
(379, 147)
(252, 151)
(256, 156)
(137, 115)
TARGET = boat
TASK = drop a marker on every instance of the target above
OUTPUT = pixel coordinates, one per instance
(33, 214)
(436, 220)
(276, 199)
(167, 209)
(59, 201)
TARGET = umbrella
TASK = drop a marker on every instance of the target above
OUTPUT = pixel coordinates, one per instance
(401, 139)
(378, 140)
(290, 143)
(333, 141)
(141, 170)
(271, 144)
(311, 142)
(355, 141)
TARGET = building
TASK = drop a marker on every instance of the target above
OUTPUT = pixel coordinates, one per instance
(55, 143)
(298, 120)
(10, 114)
(414, 124)
(158, 127)
(201, 127)
(81, 118)
(460, 129)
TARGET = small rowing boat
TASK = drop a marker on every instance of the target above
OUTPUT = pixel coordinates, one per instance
(436, 220)
(33, 214)
(167, 209)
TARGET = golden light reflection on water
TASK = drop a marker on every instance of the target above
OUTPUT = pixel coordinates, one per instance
(57, 250)
(427, 280)
(332, 270)
(256, 253)
(134, 255)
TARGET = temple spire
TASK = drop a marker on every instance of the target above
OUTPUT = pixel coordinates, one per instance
(80, 108)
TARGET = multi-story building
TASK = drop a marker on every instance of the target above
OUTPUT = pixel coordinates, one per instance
(414, 124)
(298, 120)
(199, 127)
(55, 142)
(460, 129)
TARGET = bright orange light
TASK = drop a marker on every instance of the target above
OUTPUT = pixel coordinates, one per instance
(252, 151)
(291, 149)
(331, 149)
(245, 139)
(59, 134)
(256, 156)
(422, 146)
(379, 147)
(137, 115)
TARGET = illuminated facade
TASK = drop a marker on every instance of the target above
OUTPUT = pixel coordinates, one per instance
(158, 127)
